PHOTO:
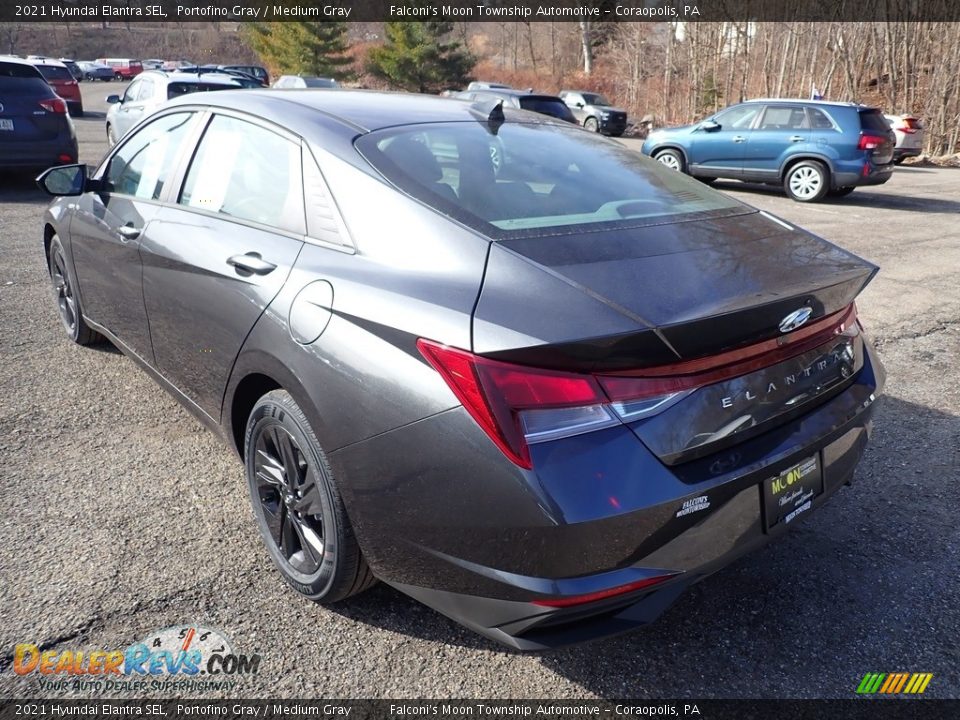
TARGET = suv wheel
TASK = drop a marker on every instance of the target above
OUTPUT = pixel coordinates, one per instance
(591, 124)
(671, 158)
(807, 181)
(298, 509)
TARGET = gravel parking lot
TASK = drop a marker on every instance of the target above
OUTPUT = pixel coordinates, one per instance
(124, 515)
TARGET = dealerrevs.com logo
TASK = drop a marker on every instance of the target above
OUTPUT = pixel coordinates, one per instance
(182, 658)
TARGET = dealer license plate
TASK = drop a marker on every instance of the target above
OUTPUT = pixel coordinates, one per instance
(791, 493)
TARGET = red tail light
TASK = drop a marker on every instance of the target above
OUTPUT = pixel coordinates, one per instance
(908, 125)
(517, 405)
(54, 105)
(871, 142)
(602, 594)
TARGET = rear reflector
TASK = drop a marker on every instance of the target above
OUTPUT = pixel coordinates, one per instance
(54, 105)
(64, 158)
(573, 600)
(517, 406)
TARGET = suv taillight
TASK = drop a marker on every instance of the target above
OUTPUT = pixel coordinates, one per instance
(54, 105)
(908, 125)
(517, 405)
(871, 142)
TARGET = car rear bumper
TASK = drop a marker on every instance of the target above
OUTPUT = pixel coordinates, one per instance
(874, 175)
(487, 544)
(37, 155)
(905, 152)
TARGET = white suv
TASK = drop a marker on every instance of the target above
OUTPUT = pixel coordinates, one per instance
(150, 90)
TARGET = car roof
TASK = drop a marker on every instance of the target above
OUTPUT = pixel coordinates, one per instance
(348, 112)
(807, 101)
(47, 61)
(15, 60)
(177, 76)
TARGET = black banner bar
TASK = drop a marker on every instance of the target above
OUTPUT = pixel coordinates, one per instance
(142, 11)
(873, 708)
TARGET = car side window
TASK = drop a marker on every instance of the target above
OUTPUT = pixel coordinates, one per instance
(146, 90)
(246, 171)
(819, 119)
(737, 118)
(783, 117)
(133, 91)
(144, 164)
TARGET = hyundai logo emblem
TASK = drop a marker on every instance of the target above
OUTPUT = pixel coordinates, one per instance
(795, 319)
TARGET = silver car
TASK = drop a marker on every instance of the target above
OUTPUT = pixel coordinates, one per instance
(909, 132)
(150, 90)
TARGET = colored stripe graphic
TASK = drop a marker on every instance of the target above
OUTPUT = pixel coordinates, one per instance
(894, 683)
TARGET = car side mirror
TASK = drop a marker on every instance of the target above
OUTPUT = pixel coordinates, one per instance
(580, 105)
(64, 180)
(113, 99)
(710, 126)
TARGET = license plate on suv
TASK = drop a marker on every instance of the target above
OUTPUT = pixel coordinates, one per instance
(6, 124)
(791, 493)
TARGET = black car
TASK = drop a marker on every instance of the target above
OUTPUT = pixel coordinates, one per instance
(35, 127)
(523, 100)
(595, 112)
(543, 394)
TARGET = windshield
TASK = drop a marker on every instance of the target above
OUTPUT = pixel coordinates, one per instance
(528, 177)
(320, 83)
(594, 99)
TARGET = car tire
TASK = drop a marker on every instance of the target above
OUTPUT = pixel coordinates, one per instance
(899, 160)
(65, 295)
(591, 124)
(296, 504)
(842, 191)
(807, 181)
(672, 159)
(707, 180)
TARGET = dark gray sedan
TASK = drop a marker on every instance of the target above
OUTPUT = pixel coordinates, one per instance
(509, 367)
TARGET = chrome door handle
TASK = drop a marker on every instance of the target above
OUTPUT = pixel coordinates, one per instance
(252, 263)
(128, 232)
(797, 138)
(739, 138)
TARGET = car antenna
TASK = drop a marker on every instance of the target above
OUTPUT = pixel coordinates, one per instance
(490, 112)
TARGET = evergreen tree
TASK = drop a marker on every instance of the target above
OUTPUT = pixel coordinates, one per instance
(302, 47)
(418, 57)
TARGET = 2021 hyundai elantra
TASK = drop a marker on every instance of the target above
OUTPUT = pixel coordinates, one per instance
(531, 378)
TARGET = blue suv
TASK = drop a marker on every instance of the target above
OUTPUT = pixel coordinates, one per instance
(811, 147)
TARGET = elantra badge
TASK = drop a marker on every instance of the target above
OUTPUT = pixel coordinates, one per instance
(795, 319)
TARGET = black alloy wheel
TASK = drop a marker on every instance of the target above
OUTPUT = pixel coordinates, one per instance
(68, 305)
(296, 504)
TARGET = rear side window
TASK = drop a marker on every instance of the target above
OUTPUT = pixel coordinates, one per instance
(874, 120)
(54, 72)
(144, 164)
(546, 106)
(528, 177)
(245, 171)
(819, 119)
(783, 117)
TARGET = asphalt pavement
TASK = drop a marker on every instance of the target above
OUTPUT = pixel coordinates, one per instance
(123, 515)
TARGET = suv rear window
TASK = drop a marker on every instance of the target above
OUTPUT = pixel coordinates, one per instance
(546, 106)
(176, 89)
(874, 120)
(526, 178)
(54, 72)
(16, 70)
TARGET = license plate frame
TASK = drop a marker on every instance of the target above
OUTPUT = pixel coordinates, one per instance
(791, 493)
(6, 124)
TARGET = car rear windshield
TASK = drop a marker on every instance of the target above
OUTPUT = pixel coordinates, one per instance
(873, 120)
(176, 89)
(546, 106)
(526, 177)
(16, 70)
(54, 72)
(320, 83)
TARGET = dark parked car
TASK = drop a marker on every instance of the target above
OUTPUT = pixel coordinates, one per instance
(95, 71)
(523, 100)
(595, 112)
(543, 396)
(260, 73)
(811, 148)
(74, 69)
(35, 129)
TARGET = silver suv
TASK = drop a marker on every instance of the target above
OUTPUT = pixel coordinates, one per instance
(151, 89)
